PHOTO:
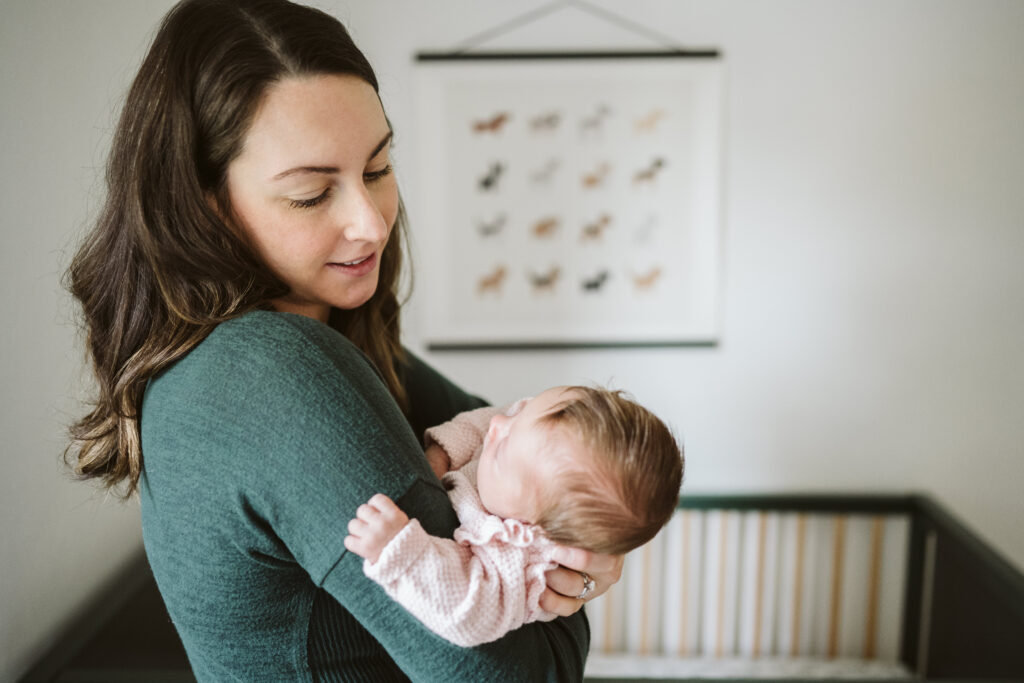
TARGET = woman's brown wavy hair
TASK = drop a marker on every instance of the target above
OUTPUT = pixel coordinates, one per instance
(160, 268)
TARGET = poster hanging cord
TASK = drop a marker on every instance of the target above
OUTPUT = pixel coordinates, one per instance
(556, 5)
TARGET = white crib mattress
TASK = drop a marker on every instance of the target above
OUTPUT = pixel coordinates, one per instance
(640, 666)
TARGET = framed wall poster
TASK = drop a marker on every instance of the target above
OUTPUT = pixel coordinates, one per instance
(570, 199)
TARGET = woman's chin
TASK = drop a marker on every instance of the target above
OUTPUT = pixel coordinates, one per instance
(356, 298)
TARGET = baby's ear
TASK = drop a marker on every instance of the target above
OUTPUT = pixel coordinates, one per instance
(516, 407)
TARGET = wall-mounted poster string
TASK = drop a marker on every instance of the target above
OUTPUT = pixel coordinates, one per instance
(669, 45)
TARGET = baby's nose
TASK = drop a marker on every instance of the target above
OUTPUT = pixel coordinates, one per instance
(496, 426)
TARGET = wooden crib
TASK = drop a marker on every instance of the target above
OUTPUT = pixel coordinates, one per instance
(739, 587)
(811, 587)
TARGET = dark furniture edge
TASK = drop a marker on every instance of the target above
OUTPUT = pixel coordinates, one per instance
(994, 561)
(112, 595)
(802, 502)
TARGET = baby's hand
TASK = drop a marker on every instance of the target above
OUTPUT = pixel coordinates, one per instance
(376, 523)
(438, 459)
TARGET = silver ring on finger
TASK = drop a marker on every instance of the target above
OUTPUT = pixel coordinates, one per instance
(588, 586)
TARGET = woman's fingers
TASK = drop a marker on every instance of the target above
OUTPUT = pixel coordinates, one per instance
(563, 606)
(568, 582)
(603, 570)
(586, 561)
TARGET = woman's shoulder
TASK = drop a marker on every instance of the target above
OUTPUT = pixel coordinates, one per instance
(274, 333)
(263, 350)
(275, 339)
(267, 382)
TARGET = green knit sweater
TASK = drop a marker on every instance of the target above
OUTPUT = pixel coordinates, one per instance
(258, 447)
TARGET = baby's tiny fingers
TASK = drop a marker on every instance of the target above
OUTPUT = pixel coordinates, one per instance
(367, 512)
(388, 510)
(362, 548)
(381, 502)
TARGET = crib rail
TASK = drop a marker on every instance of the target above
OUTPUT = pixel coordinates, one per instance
(886, 580)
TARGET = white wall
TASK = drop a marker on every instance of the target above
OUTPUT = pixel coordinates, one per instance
(63, 65)
(873, 289)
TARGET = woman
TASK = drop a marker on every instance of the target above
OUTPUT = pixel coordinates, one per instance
(239, 298)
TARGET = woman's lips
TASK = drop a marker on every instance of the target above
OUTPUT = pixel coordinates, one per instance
(357, 267)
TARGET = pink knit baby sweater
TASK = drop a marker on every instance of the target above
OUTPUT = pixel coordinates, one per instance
(486, 582)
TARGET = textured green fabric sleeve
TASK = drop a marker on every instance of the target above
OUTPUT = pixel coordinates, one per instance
(433, 399)
(280, 429)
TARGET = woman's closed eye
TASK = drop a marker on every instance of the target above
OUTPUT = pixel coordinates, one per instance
(373, 176)
(311, 201)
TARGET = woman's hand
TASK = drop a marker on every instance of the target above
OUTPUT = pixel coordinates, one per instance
(566, 582)
(438, 459)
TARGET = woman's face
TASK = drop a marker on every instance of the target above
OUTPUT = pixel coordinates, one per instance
(314, 191)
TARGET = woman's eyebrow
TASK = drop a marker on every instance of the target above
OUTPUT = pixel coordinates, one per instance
(380, 145)
(327, 170)
(306, 169)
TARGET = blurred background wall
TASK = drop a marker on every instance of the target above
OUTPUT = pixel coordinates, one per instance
(873, 241)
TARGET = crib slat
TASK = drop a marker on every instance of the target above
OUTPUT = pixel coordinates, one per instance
(773, 578)
(672, 585)
(752, 583)
(721, 583)
(874, 587)
(836, 588)
(817, 597)
(632, 606)
(894, 574)
(760, 572)
(695, 595)
(851, 596)
(799, 586)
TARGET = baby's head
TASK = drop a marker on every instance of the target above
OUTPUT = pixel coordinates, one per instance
(594, 469)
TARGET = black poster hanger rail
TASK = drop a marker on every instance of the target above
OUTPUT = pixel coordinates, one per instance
(669, 47)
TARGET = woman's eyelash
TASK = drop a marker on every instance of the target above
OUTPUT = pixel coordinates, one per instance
(377, 175)
(311, 202)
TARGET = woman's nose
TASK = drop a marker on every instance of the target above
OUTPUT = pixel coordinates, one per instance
(362, 218)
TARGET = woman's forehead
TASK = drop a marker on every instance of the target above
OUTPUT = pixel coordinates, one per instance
(316, 119)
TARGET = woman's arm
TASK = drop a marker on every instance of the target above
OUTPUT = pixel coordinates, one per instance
(346, 441)
(433, 398)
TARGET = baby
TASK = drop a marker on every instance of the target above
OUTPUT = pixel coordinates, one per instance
(574, 466)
